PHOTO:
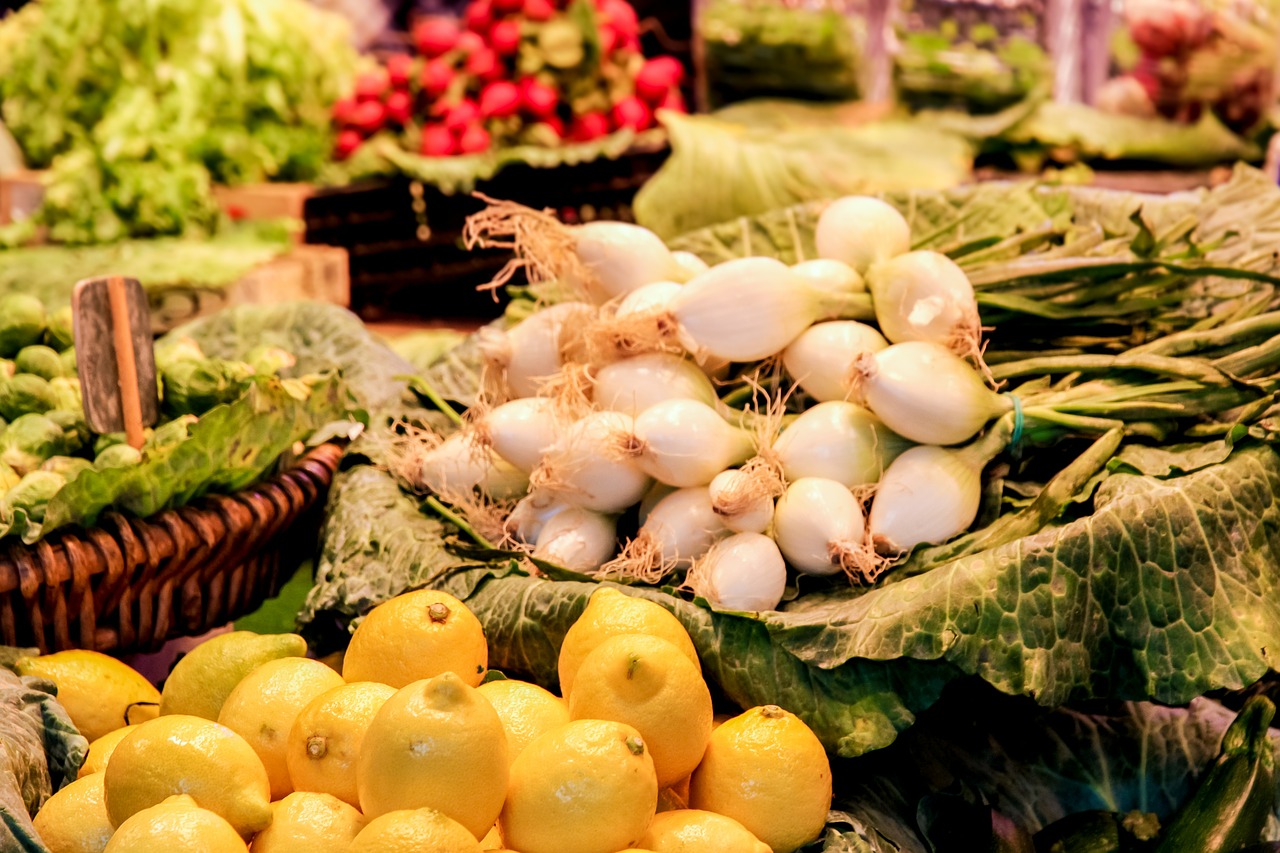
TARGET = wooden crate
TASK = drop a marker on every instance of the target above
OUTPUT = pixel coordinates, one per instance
(320, 273)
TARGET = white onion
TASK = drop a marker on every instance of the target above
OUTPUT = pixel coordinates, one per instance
(459, 464)
(861, 231)
(689, 265)
(926, 393)
(925, 296)
(577, 539)
(634, 384)
(745, 572)
(821, 359)
(840, 441)
(830, 276)
(742, 506)
(819, 527)
(680, 528)
(530, 352)
(653, 298)
(587, 466)
(531, 513)
(621, 257)
(686, 443)
(520, 431)
(656, 493)
(928, 495)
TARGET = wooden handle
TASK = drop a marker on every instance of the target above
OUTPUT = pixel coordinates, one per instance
(126, 367)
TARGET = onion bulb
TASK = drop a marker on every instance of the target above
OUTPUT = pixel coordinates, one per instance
(745, 572)
(621, 257)
(926, 393)
(744, 506)
(686, 443)
(577, 539)
(925, 296)
(520, 431)
(531, 513)
(830, 276)
(928, 495)
(679, 528)
(821, 359)
(840, 441)
(460, 464)
(530, 353)
(588, 465)
(637, 383)
(689, 265)
(819, 527)
(653, 298)
(861, 231)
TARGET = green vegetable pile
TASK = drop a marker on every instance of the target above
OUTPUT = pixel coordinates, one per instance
(225, 423)
(139, 108)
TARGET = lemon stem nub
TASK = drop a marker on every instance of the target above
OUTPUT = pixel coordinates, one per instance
(317, 746)
(773, 712)
(635, 744)
(438, 612)
(633, 663)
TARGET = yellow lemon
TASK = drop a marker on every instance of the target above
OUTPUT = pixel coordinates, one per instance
(414, 831)
(609, 613)
(648, 683)
(180, 754)
(586, 787)
(202, 680)
(694, 831)
(415, 636)
(767, 770)
(100, 751)
(100, 693)
(177, 824)
(526, 711)
(306, 822)
(326, 737)
(263, 706)
(439, 744)
(74, 820)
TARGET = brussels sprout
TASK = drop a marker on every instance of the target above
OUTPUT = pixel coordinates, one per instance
(69, 467)
(195, 387)
(27, 502)
(268, 361)
(170, 351)
(75, 431)
(23, 394)
(39, 360)
(29, 441)
(174, 432)
(117, 456)
(67, 391)
(59, 334)
(21, 322)
(69, 367)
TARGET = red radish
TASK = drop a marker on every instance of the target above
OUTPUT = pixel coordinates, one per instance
(657, 76)
(348, 142)
(589, 126)
(343, 110)
(537, 98)
(479, 16)
(371, 85)
(539, 10)
(504, 38)
(474, 140)
(499, 99)
(435, 36)
(484, 64)
(506, 7)
(437, 141)
(400, 70)
(461, 114)
(399, 107)
(608, 40)
(469, 43)
(633, 113)
(437, 74)
(622, 17)
(674, 101)
(369, 117)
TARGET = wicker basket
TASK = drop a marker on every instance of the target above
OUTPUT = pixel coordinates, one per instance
(130, 584)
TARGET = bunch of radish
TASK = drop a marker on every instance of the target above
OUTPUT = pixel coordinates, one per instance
(605, 444)
(513, 72)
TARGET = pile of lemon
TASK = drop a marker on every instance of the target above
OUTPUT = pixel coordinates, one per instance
(407, 750)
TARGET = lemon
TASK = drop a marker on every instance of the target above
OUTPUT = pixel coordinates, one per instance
(306, 822)
(526, 711)
(177, 824)
(326, 737)
(767, 770)
(609, 613)
(263, 706)
(414, 831)
(415, 636)
(74, 820)
(436, 743)
(586, 787)
(100, 693)
(648, 683)
(180, 754)
(100, 750)
(694, 831)
(201, 681)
